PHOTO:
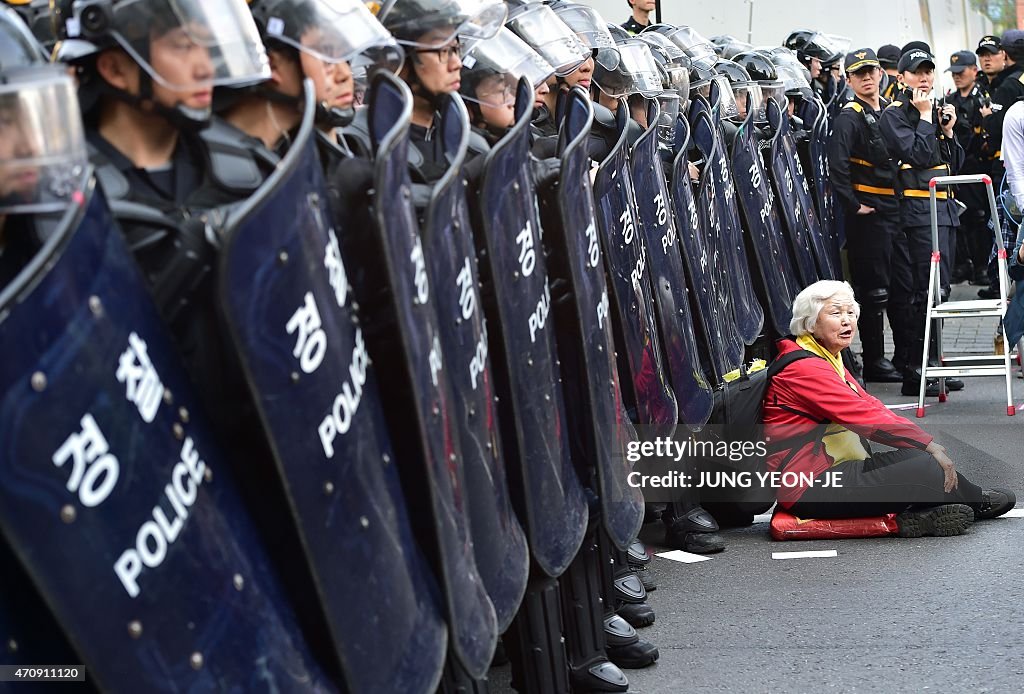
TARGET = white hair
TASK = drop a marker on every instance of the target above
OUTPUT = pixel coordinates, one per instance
(809, 302)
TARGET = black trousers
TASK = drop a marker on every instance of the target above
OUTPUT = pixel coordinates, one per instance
(888, 482)
(908, 285)
(869, 249)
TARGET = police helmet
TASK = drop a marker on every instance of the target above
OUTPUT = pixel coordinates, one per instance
(636, 72)
(43, 158)
(491, 70)
(543, 30)
(763, 71)
(333, 32)
(733, 102)
(228, 50)
(432, 24)
(18, 47)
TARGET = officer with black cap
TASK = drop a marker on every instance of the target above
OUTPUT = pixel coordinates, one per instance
(974, 241)
(863, 178)
(888, 58)
(1006, 88)
(921, 137)
(992, 60)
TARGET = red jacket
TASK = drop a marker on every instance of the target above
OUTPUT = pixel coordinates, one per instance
(805, 397)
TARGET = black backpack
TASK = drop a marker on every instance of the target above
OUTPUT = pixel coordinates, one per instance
(737, 417)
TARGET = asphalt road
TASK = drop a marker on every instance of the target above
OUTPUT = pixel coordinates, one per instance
(883, 615)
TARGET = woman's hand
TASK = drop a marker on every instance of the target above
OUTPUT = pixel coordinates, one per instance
(939, 453)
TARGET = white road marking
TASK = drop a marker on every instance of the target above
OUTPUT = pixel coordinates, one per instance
(907, 406)
(823, 553)
(684, 557)
(1014, 513)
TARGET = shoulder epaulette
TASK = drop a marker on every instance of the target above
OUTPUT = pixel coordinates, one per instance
(1020, 78)
(855, 106)
(895, 104)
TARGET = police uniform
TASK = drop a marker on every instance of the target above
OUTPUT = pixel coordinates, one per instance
(888, 57)
(974, 241)
(1006, 89)
(863, 173)
(923, 152)
(633, 26)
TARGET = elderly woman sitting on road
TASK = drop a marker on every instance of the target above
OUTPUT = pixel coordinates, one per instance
(817, 420)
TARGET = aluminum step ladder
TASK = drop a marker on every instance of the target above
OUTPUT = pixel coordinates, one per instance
(938, 311)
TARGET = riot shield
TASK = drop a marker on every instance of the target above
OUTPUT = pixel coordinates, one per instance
(746, 308)
(803, 197)
(499, 543)
(546, 490)
(832, 222)
(763, 226)
(798, 228)
(287, 299)
(585, 339)
(713, 226)
(657, 220)
(407, 335)
(112, 493)
(698, 249)
(625, 254)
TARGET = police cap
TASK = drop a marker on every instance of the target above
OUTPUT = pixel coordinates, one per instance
(912, 60)
(960, 61)
(1012, 38)
(988, 44)
(888, 55)
(859, 59)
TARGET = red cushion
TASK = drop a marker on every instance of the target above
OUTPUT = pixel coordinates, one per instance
(785, 526)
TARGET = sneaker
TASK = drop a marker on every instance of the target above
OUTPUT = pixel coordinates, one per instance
(994, 503)
(936, 521)
(913, 387)
(988, 293)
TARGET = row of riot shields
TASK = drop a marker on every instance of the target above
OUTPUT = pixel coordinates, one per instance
(448, 394)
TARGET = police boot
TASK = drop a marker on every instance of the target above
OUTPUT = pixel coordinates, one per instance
(630, 598)
(900, 337)
(583, 616)
(694, 530)
(640, 564)
(455, 679)
(623, 644)
(877, 369)
(952, 382)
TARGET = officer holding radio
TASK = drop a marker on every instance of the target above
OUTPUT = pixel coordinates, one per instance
(920, 136)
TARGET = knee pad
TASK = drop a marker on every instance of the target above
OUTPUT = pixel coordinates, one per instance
(876, 298)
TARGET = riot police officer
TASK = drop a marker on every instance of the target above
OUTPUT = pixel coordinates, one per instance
(863, 178)
(318, 40)
(431, 36)
(921, 138)
(42, 148)
(974, 240)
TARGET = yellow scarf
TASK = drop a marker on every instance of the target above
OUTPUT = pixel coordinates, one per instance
(841, 444)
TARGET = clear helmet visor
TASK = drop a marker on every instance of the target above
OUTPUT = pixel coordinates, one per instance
(491, 69)
(678, 79)
(694, 45)
(793, 79)
(671, 106)
(726, 99)
(741, 93)
(549, 36)
(335, 31)
(771, 90)
(636, 73)
(187, 44)
(587, 24)
(431, 24)
(43, 156)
